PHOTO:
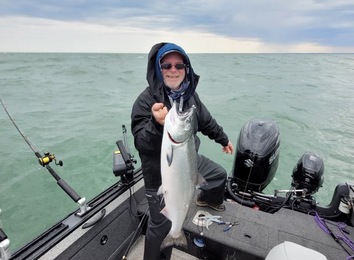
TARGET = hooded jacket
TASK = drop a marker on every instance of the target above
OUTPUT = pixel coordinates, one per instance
(147, 132)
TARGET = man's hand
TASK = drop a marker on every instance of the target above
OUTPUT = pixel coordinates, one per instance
(229, 148)
(159, 112)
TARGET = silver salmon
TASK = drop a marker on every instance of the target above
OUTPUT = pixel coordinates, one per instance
(179, 171)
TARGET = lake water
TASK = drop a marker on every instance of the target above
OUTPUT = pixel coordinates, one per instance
(74, 106)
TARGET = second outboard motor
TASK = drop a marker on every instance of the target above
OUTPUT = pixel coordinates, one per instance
(308, 173)
(257, 155)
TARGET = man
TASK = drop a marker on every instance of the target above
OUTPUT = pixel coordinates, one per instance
(171, 78)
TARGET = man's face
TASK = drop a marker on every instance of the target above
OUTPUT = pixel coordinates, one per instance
(172, 76)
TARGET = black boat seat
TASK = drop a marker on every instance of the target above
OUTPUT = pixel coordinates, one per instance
(291, 251)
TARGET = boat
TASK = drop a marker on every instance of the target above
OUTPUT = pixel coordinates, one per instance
(289, 224)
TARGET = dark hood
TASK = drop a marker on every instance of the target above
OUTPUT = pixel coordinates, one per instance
(154, 77)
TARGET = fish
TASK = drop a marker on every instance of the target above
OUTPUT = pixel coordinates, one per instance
(179, 171)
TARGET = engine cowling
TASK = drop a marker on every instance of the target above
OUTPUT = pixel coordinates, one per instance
(257, 155)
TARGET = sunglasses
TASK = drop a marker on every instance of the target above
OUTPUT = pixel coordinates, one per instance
(178, 66)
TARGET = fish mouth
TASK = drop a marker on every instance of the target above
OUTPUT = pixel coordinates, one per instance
(173, 140)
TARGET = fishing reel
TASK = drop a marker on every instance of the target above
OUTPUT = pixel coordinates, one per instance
(123, 161)
(48, 158)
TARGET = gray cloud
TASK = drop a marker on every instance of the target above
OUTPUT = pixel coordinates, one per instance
(327, 22)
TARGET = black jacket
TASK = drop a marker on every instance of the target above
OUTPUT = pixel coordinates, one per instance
(148, 133)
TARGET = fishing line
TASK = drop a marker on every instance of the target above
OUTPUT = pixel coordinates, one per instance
(19, 130)
(43, 160)
(245, 189)
(137, 203)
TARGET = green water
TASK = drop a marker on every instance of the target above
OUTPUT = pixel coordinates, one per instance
(74, 105)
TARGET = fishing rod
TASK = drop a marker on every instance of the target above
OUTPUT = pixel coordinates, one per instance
(44, 161)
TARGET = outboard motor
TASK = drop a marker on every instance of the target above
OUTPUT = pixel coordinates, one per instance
(257, 155)
(308, 173)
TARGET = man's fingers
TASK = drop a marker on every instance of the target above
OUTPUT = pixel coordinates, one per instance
(157, 106)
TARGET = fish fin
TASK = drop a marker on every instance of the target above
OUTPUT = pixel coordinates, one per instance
(170, 241)
(164, 212)
(169, 155)
(160, 190)
(201, 182)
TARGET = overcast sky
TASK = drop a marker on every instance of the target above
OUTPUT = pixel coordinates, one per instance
(130, 26)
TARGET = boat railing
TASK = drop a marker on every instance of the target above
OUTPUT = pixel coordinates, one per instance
(4, 243)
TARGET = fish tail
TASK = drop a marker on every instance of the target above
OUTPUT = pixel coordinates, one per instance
(178, 241)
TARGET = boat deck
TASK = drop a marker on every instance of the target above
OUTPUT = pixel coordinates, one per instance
(137, 252)
(258, 232)
(252, 239)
